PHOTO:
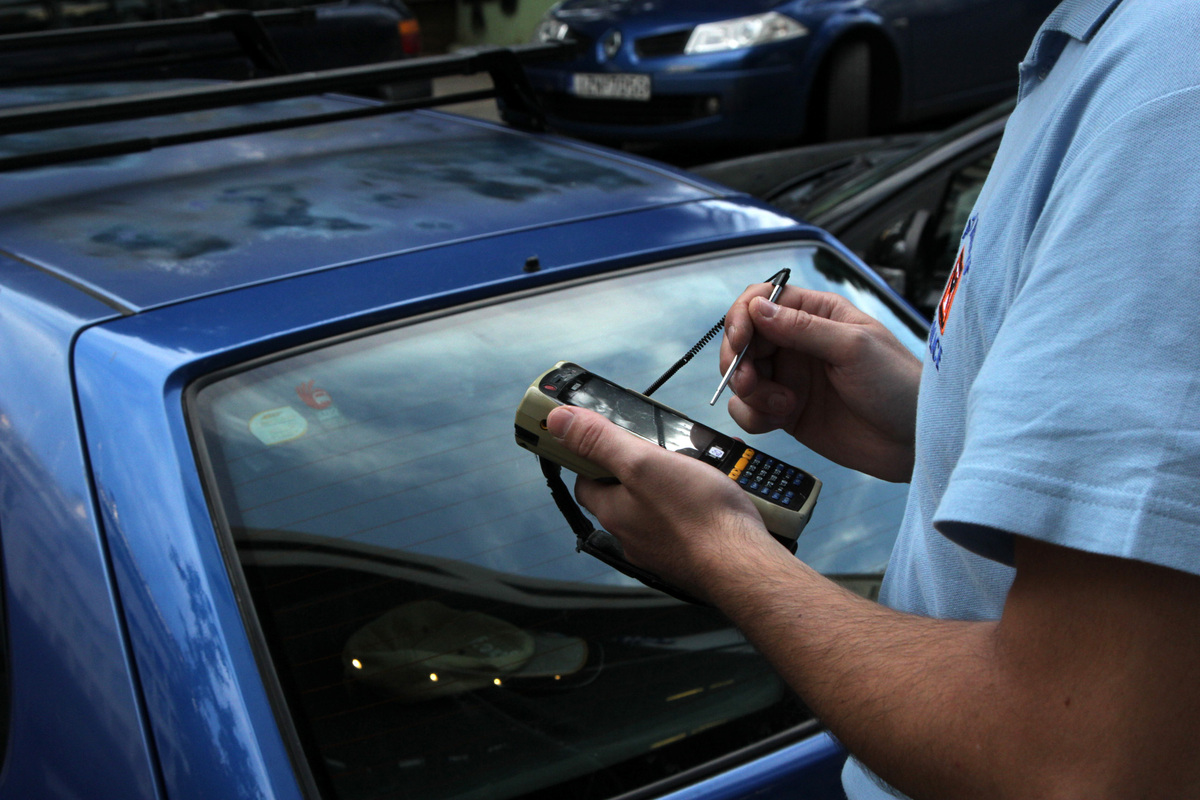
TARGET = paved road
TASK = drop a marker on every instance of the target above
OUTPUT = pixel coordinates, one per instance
(483, 109)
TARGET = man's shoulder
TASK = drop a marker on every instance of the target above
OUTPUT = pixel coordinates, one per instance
(1140, 70)
(1155, 39)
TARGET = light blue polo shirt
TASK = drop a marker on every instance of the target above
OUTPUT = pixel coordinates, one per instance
(1060, 397)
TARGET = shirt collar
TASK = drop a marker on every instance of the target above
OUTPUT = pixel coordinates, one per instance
(1071, 19)
(1079, 19)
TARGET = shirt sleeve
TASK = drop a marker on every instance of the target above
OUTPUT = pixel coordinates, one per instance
(1083, 424)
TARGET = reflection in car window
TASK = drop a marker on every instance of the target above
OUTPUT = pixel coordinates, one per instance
(432, 627)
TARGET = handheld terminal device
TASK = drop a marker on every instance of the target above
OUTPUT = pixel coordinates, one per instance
(784, 494)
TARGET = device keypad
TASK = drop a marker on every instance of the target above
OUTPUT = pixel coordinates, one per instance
(769, 478)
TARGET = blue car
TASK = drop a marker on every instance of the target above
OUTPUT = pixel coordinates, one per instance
(771, 70)
(265, 528)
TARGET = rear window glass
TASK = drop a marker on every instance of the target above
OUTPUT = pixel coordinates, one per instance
(429, 621)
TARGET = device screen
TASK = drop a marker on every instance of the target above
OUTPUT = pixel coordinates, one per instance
(647, 420)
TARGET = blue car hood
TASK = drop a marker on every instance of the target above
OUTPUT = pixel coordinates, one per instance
(169, 224)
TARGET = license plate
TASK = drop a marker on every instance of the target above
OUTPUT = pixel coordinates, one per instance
(611, 85)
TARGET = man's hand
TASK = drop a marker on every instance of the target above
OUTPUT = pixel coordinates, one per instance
(832, 376)
(675, 516)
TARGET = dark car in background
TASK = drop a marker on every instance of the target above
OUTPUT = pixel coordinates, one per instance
(58, 41)
(265, 528)
(765, 70)
(899, 202)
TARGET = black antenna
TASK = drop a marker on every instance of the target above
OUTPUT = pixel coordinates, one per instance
(696, 348)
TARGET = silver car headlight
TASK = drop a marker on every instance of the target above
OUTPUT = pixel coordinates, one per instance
(733, 34)
(551, 30)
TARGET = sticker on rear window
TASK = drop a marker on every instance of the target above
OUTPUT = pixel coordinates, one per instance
(278, 425)
(318, 400)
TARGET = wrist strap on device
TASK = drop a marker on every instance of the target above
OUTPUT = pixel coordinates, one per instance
(600, 543)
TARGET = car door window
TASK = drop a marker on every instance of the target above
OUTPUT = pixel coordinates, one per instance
(913, 238)
(427, 617)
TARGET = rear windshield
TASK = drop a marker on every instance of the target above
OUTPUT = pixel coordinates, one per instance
(430, 624)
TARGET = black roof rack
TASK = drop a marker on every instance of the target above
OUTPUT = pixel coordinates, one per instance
(203, 23)
(510, 87)
(244, 26)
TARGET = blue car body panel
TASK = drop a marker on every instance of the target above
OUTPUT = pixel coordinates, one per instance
(124, 280)
(242, 211)
(76, 714)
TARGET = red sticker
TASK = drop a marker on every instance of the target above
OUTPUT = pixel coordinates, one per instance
(313, 397)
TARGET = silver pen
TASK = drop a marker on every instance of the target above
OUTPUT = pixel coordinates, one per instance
(777, 282)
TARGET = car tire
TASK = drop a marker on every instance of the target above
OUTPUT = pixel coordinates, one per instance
(846, 110)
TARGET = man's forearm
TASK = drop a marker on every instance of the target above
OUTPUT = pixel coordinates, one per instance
(883, 682)
(1051, 701)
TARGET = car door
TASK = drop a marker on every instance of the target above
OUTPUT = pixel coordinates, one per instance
(963, 50)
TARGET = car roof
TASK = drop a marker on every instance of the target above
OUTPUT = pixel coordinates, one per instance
(864, 189)
(152, 228)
